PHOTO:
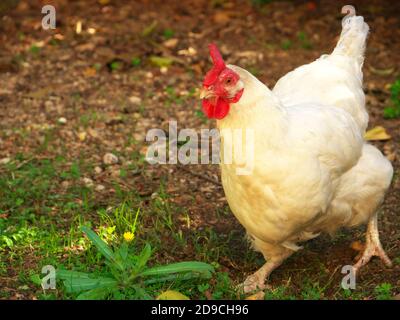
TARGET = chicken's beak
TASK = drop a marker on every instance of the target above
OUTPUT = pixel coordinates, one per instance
(206, 93)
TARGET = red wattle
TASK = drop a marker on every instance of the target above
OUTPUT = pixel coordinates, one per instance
(208, 109)
(217, 111)
(221, 109)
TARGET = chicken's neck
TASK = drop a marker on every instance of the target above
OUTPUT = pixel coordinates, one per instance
(258, 109)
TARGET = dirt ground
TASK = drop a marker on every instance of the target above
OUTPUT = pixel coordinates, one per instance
(108, 85)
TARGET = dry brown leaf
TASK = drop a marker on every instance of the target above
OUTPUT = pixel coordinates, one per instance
(93, 132)
(89, 72)
(357, 246)
(221, 17)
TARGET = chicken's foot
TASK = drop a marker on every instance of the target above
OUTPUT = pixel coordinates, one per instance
(256, 281)
(373, 246)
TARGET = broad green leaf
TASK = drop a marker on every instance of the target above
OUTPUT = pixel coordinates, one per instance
(82, 284)
(172, 295)
(189, 266)
(175, 277)
(122, 252)
(67, 274)
(144, 257)
(142, 293)
(35, 278)
(95, 294)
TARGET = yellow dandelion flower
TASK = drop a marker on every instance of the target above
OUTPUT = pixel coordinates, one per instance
(129, 236)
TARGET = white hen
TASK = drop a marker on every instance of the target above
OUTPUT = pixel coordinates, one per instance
(312, 171)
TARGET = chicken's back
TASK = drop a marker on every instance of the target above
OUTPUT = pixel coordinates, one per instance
(334, 79)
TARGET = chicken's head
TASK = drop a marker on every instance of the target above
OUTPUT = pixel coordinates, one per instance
(221, 87)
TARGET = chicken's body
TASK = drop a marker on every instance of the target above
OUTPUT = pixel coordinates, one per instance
(277, 202)
(312, 171)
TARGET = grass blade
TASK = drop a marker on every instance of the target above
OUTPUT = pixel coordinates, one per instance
(104, 249)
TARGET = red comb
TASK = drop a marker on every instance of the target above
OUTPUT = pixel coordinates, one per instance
(219, 65)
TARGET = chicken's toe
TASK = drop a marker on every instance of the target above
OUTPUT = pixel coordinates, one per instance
(373, 247)
(254, 282)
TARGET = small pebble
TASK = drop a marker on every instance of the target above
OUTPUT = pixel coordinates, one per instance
(62, 120)
(100, 187)
(88, 182)
(110, 159)
(135, 100)
(98, 170)
(5, 160)
(171, 43)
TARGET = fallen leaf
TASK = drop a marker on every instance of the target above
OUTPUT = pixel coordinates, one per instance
(172, 295)
(82, 136)
(381, 72)
(377, 134)
(89, 72)
(257, 296)
(160, 61)
(221, 17)
(357, 246)
(93, 132)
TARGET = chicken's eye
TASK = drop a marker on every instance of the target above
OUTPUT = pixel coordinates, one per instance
(228, 81)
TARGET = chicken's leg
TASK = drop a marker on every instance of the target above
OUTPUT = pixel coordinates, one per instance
(274, 255)
(256, 281)
(373, 246)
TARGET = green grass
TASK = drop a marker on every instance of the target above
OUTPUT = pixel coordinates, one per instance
(392, 111)
(383, 291)
(126, 274)
(168, 33)
(34, 49)
(286, 44)
(41, 224)
(304, 40)
(39, 216)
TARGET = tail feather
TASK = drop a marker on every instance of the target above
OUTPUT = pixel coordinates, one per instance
(353, 37)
